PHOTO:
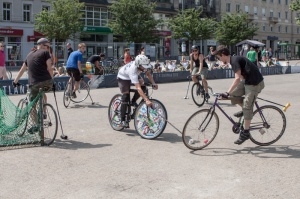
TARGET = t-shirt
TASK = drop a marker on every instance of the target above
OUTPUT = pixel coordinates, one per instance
(94, 58)
(197, 62)
(251, 55)
(211, 57)
(73, 59)
(70, 50)
(248, 69)
(36, 61)
(129, 72)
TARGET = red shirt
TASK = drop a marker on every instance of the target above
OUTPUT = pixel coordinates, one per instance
(127, 58)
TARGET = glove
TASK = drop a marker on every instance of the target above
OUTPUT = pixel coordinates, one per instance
(224, 95)
(81, 76)
(16, 84)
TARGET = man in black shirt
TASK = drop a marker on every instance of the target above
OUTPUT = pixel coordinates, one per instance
(96, 60)
(248, 82)
(70, 50)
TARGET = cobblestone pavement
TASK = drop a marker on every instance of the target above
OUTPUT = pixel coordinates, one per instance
(98, 162)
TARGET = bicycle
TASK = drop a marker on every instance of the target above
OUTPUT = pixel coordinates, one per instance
(46, 119)
(81, 94)
(267, 126)
(111, 67)
(148, 122)
(198, 92)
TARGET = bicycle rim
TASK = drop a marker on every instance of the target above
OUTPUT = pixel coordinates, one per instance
(8, 74)
(21, 115)
(150, 123)
(50, 124)
(200, 129)
(267, 133)
(114, 112)
(82, 93)
(67, 95)
(198, 95)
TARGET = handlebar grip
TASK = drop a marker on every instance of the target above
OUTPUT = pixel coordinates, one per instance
(286, 106)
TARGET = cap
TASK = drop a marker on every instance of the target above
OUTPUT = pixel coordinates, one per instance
(43, 41)
(194, 47)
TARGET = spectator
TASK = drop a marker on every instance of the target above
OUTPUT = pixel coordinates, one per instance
(270, 53)
(184, 63)
(95, 62)
(264, 55)
(2, 62)
(127, 57)
(171, 66)
(277, 63)
(70, 50)
(142, 51)
(270, 63)
(157, 67)
(60, 72)
(252, 56)
(211, 58)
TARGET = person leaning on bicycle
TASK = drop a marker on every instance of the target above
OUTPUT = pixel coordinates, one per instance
(201, 68)
(74, 66)
(128, 74)
(248, 82)
(96, 61)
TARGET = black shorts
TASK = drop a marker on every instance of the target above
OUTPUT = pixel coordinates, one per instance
(75, 73)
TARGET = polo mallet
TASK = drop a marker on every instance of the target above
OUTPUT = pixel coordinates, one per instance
(187, 91)
(63, 136)
(285, 107)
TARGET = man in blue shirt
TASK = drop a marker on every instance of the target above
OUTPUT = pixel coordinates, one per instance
(74, 66)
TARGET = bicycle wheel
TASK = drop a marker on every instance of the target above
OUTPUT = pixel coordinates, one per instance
(50, 124)
(82, 93)
(67, 95)
(198, 94)
(22, 115)
(268, 130)
(114, 112)
(8, 74)
(200, 129)
(150, 122)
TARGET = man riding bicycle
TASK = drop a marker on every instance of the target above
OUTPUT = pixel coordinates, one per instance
(74, 66)
(128, 74)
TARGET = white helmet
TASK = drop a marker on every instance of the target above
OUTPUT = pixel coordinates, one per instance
(142, 60)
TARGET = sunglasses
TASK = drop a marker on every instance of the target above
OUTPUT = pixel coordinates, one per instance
(46, 46)
(194, 50)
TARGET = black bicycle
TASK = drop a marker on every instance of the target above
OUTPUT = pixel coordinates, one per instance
(149, 122)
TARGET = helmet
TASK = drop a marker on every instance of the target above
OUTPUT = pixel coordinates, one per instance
(194, 47)
(142, 60)
(42, 41)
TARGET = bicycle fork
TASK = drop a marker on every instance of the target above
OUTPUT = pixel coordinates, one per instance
(207, 119)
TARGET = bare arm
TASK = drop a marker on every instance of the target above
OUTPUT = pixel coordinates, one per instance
(79, 66)
(20, 73)
(236, 81)
(201, 59)
(191, 63)
(49, 67)
(149, 76)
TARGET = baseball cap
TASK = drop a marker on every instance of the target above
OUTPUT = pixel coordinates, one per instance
(43, 41)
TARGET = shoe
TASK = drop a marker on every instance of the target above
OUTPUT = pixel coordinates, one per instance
(239, 114)
(33, 129)
(74, 95)
(244, 135)
(45, 116)
(207, 96)
(124, 124)
(134, 104)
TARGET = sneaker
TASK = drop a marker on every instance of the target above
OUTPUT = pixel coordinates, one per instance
(207, 96)
(33, 129)
(74, 95)
(134, 104)
(244, 135)
(45, 116)
(239, 114)
(124, 124)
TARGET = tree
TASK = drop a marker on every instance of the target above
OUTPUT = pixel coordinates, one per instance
(295, 6)
(134, 20)
(234, 28)
(189, 25)
(62, 22)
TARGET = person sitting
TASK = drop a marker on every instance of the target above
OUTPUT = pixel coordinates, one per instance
(171, 66)
(184, 63)
(60, 72)
(157, 67)
(270, 63)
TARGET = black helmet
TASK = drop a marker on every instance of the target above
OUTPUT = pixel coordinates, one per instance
(194, 47)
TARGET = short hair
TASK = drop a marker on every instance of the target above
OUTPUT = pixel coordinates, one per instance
(222, 50)
(142, 48)
(126, 49)
(81, 45)
(102, 55)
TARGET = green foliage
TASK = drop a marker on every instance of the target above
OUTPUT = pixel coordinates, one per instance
(134, 20)
(234, 28)
(189, 25)
(295, 6)
(62, 22)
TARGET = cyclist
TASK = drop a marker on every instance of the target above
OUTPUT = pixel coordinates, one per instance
(248, 82)
(128, 74)
(74, 66)
(96, 61)
(201, 68)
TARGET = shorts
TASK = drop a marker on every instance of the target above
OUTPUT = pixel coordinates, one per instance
(75, 73)
(35, 89)
(203, 73)
(124, 85)
(250, 93)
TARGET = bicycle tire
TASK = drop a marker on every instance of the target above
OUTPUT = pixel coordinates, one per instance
(196, 139)
(49, 122)
(198, 94)
(114, 112)
(82, 93)
(22, 104)
(8, 74)
(67, 95)
(153, 126)
(267, 135)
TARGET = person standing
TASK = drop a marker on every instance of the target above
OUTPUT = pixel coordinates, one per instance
(2, 62)
(70, 49)
(211, 58)
(127, 57)
(252, 56)
(96, 61)
(248, 82)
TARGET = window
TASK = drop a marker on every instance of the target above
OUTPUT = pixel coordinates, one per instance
(271, 29)
(264, 27)
(279, 15)
(279, 1)
(246, 9)
(286, 29)
(263, 12)
(298, 30)
(271, 1)
(227, 7)
(95, 16)
(271, 13)
(286, 15)
(286, 2)
(6, 11)
(237, 8)
(47, 8)
(255, 10)
(26, 12)
(279, 28)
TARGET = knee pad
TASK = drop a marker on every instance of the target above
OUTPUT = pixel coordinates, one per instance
(125, 98)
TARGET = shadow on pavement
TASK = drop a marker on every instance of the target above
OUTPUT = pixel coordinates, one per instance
(74, 145)
(87, 105)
